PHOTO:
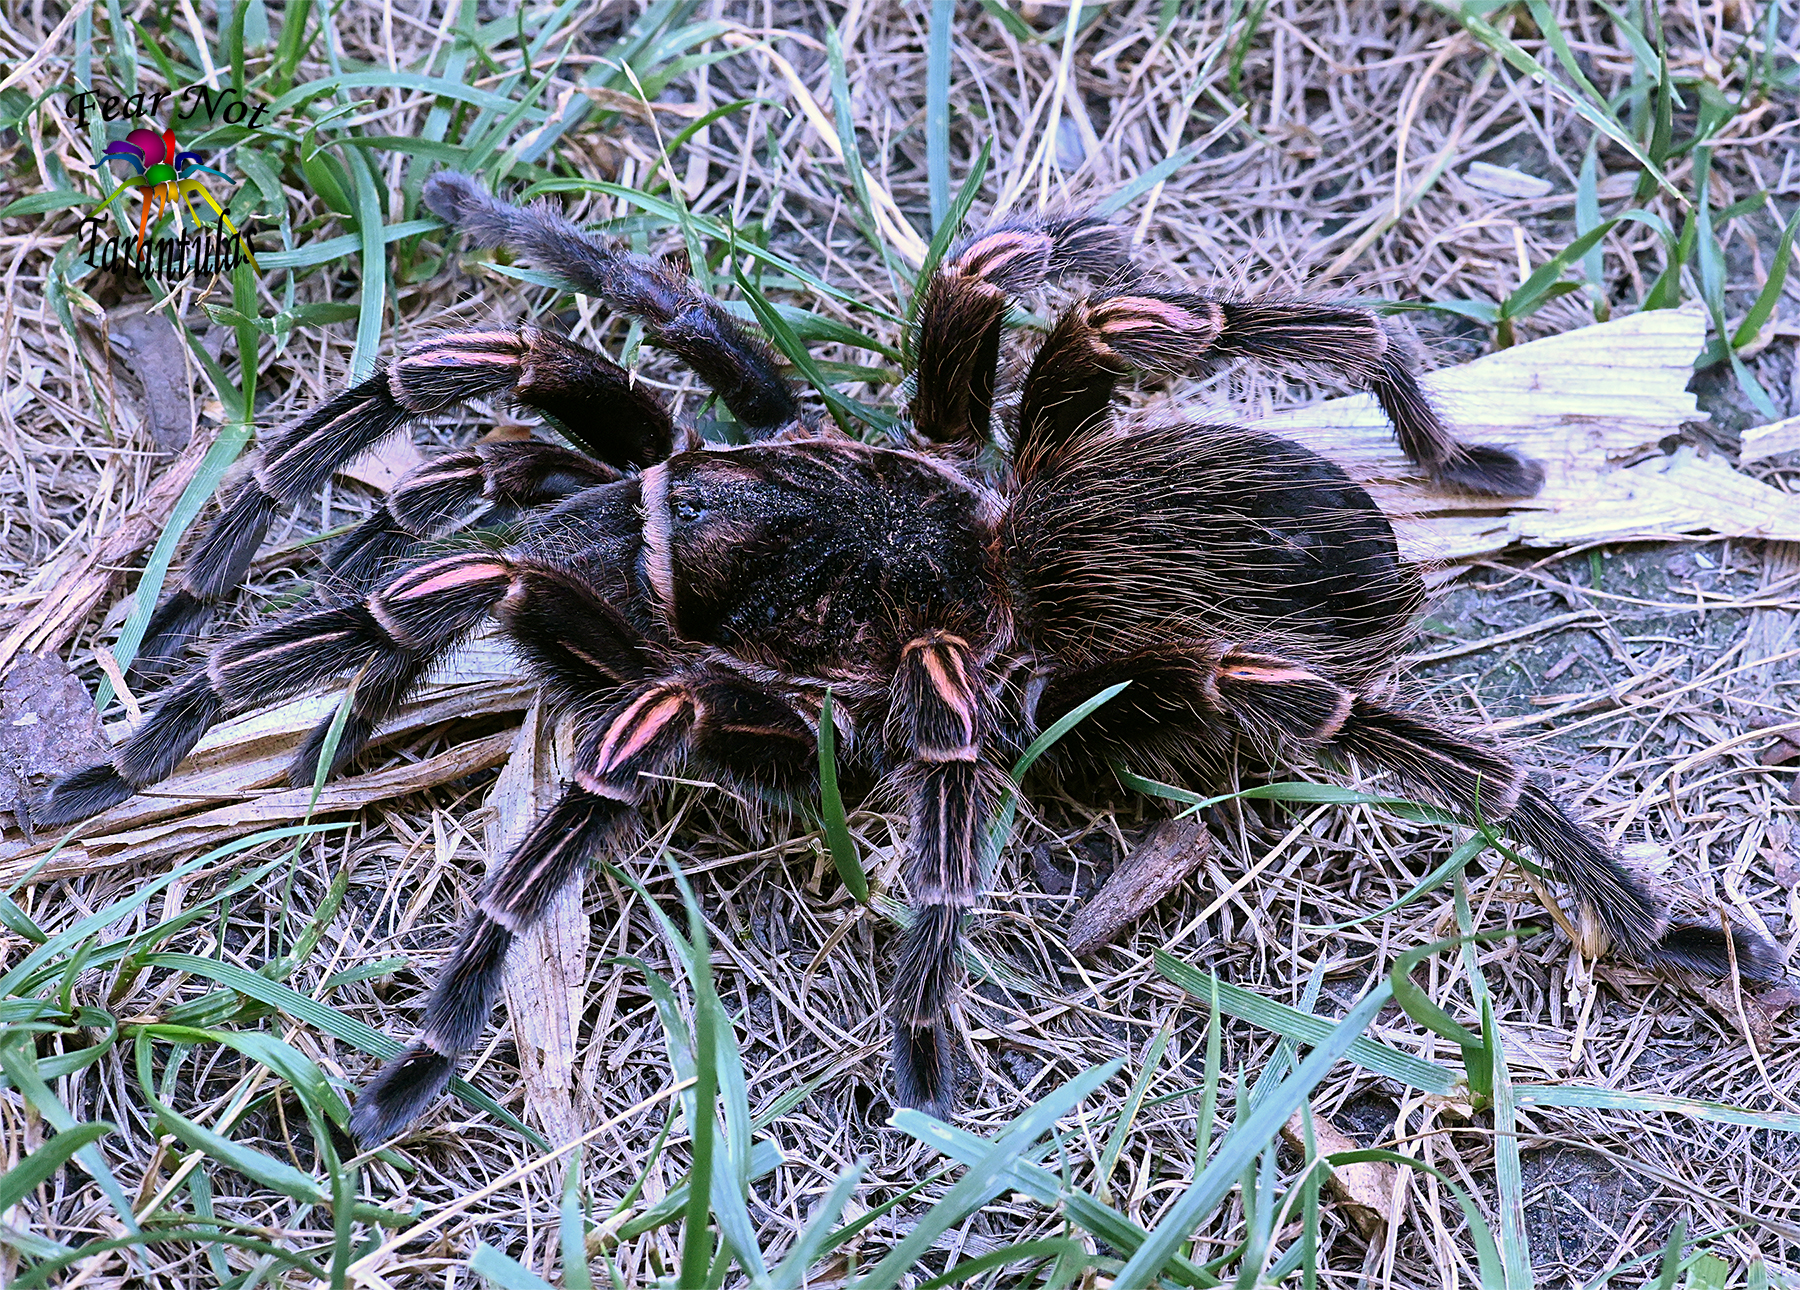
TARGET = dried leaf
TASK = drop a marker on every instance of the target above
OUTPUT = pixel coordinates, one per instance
(1365, 1192)
(383, 465)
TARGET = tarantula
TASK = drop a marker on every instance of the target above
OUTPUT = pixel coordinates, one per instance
(688, 603)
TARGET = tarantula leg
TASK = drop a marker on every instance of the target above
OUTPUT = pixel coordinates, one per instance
(433, 498)
(515, 896)
(676, 316)
(937, 721)
(1475, 777)
(960, 318)
(392, 637)
(1354, 342)
(577, 643)
(1070, 385)
(591, 398)
(720, 720)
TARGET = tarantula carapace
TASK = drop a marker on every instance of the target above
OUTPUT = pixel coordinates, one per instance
(689, 604)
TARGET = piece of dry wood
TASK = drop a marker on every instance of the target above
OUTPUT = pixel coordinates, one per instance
(210, 828)
(1585, 404)
(546, 971)
(1364, 1191)
(47, 728)
(238, 756)
(74, 582)
(1171, 851)
(149, 347)
(1762, 442)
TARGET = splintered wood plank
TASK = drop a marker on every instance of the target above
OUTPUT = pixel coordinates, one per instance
(239, 758)
(192, 833)
(1594, 405)
(546, 972)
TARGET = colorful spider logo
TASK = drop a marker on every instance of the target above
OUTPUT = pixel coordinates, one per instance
(162, 175)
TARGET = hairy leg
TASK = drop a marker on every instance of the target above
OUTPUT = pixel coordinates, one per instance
(1280, 706)
(964, 308)
(1072, 376)
(587, 395)
(716, 719)
(937, 729)
(676, 315)
(503, 478)
(390, 638)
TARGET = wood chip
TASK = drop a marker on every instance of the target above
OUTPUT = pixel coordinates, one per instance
(1169, 853)
(72, 583)
(1364, 1192)
(152, 351)
(1759, 443)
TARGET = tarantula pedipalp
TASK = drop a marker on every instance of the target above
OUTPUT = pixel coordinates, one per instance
(694, 605)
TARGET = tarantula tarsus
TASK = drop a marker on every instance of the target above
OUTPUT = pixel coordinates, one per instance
(693, 604)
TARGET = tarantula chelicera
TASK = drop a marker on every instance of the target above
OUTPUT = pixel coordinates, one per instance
(693, 604)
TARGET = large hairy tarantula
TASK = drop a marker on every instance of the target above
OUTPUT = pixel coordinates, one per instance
(690, 604)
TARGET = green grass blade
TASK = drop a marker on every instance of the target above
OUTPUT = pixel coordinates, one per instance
(1766, 299)
(1487, 1252)
(18, 1058)
(831, 811)
(1305, 1028)
(1509, 1175)
(1001, 829)
(811, 1244)
(225, 450)
(1248, 1139)
(19, 978)
(1468, 13)
(571, 1232)
(1607, 1099)
(985, 1178)
(505, 1272)
(1024, 1252)
(41, 1274)
(941, 238)
(24, 1177)
(1134, 1100)
(1047, 1189)
(1453, 864)
(330, 1020)
(937, 110)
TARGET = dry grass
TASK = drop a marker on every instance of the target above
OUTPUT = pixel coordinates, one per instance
(1299, 192)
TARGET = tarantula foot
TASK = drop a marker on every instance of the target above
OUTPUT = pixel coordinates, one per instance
(399, 1094)
(462, 203)
(81, 794)
(925, 1069)
(1490, 471)
(1705, 950)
